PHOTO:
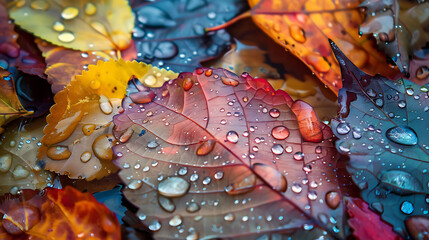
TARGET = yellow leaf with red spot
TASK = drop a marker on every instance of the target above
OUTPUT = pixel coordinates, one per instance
(78, 137)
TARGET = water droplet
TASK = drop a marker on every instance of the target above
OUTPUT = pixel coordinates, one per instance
(229, 217)
(20, 172)
(40, 5)
(407, 207)
(58, 26)
(245, 99)
(69, 13)
(378, 206)
(175, 221)
(207, 180)
(206, 147)
(135, 184)
(66, 36)
(152, 144)
(183, 171)
(85, 157)
(318, 62)
(297, 33)
(333, 199)
(88, 129)
(298, 156)
(173, 187)
(142, 97)
(242, 185)
(280, 132)
(272, 176)
(296, 188)
(5, 162)
(422, 72)
(193, 236)
(90, 8)
(102, 147)
(277, 149)
(194, 177)
(402, 104)
(193, 207)
(218, 175)
(166, 204)
(343, 128)
(229, 81)
(400, 182)
(371, 93)
(318, 150)
(410, 91)
(188, 83)
(155, 225)
(58, 152)
(232, 137)
(356, 134)
(209, 72)
(105, 105)
(312, 195)
(402, 135)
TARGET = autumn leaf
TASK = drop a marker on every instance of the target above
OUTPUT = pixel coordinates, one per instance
(8, 36)
(78, 137)
(381, 126)
(177, 39)
(303, 27)
(366, 223)
(82, 25)
(10, 107)
(419, 70)
(18, 151)
(64, 64)
(56, 214)
(227, 156)
(400, 27)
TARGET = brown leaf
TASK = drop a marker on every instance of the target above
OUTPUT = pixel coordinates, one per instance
(215, 149)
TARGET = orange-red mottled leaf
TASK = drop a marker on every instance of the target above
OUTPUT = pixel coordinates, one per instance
(366, 224)
(304, 27)
(78, 137)
(56, 214)
(222, 155)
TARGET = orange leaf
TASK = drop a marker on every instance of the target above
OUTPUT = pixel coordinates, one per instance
(56, 214)
(304, 27)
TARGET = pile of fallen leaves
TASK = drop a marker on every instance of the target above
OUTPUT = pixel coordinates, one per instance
(187, 119)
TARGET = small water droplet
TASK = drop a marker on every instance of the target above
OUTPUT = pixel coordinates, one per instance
(173, 187)
(90, 8)
(409, 91)
(188, 83)
(343, 128)
(193, 207)
(277, 149)
(207, 180)
(232, 137)
(175, 221)
(66, 36)
(312, 195)
(297, 33)
(166, 204)
(58, 26)
(333, 199)
(407, 207)
(400, 182)
(152, 144)
(218, 175)
(229, 217)
(105, 105)
(135, 184)
(318, 150)
(86, 156)
(230, 82)
(275, 113)
(155, 225)
(280, 132)
(402, 135)
(296, 188)
(402, 104)
(298, 156)
(272, 176)
(69, 13)
(194, 177)
(58, 152)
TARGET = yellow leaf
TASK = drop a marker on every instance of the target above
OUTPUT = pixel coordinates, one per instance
(78, 24)
(18, 151)
(78, 137)
(10, 106)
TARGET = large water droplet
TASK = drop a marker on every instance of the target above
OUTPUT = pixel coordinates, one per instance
(401, 182)
(5, 162)
(69, 13)
(343, 128)
(244, 185)
(298, 156)
(175, 221)
(297, 33)
(296, 188)
(135, 184)
(173, 187)
(277, 149)
(166, 204)
(105, 105)
(274, 112)
(407, 207)
(142, 97)
(58, 152)
(187, 83)
(280, 132)
(272, 176)
(312, 195)
(66, 37)
(85, 157)
(102, 147)
(20, 172)
(333, 199)
(155, 225)
(232, 137)
(206, 147)
(229, 81)
(402, 135)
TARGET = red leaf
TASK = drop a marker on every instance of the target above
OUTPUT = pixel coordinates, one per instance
(218, 153)
(366, 224)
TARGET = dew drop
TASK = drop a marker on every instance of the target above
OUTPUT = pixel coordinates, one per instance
(193, 207)
(312, 195)
(175, 221)
(155, 225)
(58, 26)
(298, 156)
(135, 184)
(410, 91)
(142, 97)
(400, 182)
(218, 175)
(318, 150)
(85, 157)
(88, 129)
(58, 152)
(183, 171)
(207, 180)
(243, 185)
(297, 33)
(277, 149)
(5, 162)
(272, 176)
(229, 217)
(343, 128)
(173, 187)
(280, 132)
(20, 172)
(333, 199)
(166, 204)
(152, 144)
(194, 177)
(40, 5)
(102, 147)
(402, 135)
(274, 112)
(188, 83)
(232, 137)
(229, 81)
(296, 188)
(402, 104)
(407, 207)
(206, 147)
(69, 13)
(105, 105)
(90, 8)
(66, 36)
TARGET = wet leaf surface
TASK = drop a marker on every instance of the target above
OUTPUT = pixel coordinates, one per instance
(56, 214)
(18, 151)
(176, 40)
(381, 126)
(78, 137)
(215, 152)
(365, 223)
(81, 25)
(400, 27)
(304, 27)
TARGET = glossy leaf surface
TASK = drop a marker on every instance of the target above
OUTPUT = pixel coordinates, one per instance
(56, 214)
(215, 153)
(304, 27)
(78, 137)
(381, 126)
(18, 151)
(400, 27)
(82, 25)
(177, 39)
(365, 223)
